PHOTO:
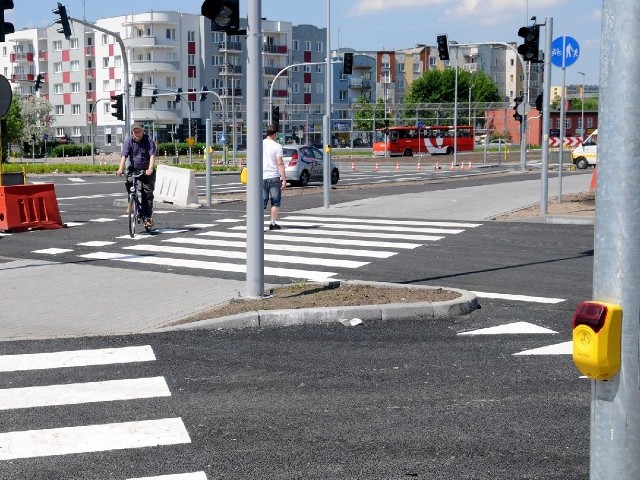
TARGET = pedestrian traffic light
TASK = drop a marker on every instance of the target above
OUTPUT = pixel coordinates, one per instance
(539, 106)
(347, 64)
(178, 96)
(117, 107)
(530, 48)
(138, 88)
(154, 96)
(203, 93)
(224, 15)
(5, 27)
(516, 115)
(39, 80)
(63, 20)
(443, 47)
(275, 116)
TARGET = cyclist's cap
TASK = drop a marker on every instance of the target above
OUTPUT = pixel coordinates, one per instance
(137, 126)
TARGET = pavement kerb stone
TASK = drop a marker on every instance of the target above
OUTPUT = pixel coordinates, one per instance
(466, 303)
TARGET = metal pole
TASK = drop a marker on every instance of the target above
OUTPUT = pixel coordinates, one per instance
(455, 114)
(207, 159)
(255, 216)
(523, 123)
(326, 167)
(615, 404)
(546, 100)
(582, 136)
(562, 120)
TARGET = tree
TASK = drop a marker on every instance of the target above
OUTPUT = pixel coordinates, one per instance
(13, 132)
(36, 114)
(367, 114)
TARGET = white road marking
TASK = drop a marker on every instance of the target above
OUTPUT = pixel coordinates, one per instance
(163, 212)
(310, 260)
(89, 392)
(334, 233)
(565, 348)
(378, 228)
(200, 225)
(4, 234)
(231, 220)
(177, 476)
(75, 358)
(95, 243)
(92, 438)
(377, 221)
(74, 179)
(509, 329)
(284, 237)
(53, 251)
(290, 248)
(74, 224)
(97, 195)
(103, 220)
(202, 265)
(519, 298)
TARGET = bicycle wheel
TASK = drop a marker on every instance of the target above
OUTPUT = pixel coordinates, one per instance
(132, 214)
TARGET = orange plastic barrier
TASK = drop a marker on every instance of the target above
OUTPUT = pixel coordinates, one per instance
(594, 179)
(24, 207)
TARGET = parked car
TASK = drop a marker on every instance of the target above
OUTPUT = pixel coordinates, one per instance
(303, 164)
(360, 142)
(500, 143)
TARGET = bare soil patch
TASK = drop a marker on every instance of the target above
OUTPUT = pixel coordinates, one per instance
(579, 205)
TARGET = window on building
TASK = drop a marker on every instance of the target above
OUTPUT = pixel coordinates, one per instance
(105, 39)
(73, 43)
(217, 60)
(432, 62)
(58, 89)
(171, 82)
(295, 87)
(75, 109)
(118, 84)
(343, 94)
(216, 83)
(171, 33)
(117, 61)
(106, 108)
(589, 122)
(75, 65)
(106, 85)
(191, 59)
(107, 136)
(401, 67)
(75, 87)
(417, 68)
(295, 45)
(307, 45)
(307, 88)
(60, 132)
(59, 109)
(511, 62)
(57, 67)
(77, 132)
(400, 83)
(319, 88)
(567, 123)
(319, 68)
(191, 36)
(57, 45)
(105, 62)
(306, 68)
(217, 37)
(319, 47)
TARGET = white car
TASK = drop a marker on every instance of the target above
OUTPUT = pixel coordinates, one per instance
(303, 164)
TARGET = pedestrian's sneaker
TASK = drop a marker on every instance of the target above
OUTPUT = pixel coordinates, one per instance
(274, 226)
(148, 224)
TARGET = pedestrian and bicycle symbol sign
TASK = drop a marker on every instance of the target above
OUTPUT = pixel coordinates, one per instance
(564, 51)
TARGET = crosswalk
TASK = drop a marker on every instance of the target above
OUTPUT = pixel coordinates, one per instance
(314, 248)
(90, 439)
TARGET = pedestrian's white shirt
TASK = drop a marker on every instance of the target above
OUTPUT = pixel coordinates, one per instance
(271, 150)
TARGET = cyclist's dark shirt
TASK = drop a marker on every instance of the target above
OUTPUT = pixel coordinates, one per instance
(139, 152)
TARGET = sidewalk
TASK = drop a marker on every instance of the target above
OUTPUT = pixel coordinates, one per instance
(49, 300)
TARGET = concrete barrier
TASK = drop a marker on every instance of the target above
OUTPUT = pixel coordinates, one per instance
(176, 185)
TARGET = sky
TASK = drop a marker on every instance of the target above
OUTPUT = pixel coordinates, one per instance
(383, 24)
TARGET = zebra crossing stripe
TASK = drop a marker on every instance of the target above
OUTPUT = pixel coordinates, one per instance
(88, 392)
(98, 195)
(333, 233)
(325, 262)
(385, 228)
(290, 248)
(177, 476)
(284, 237)
(92, 438)
(202, 265)
(379, 221)
(75, 358)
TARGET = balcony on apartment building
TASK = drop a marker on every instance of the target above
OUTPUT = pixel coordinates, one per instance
(277, 49)
(43, 56)
(144, 41)
(145, 66)
(230, 92)
(273, 71)
(230, 70)
(91, 96)
(359, 83)
(90, 51)
(23, 77)
(470, 67)
(21, 57)
(276, 93)
(230, 47)
(90, 73)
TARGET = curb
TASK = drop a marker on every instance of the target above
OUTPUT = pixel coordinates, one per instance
(466, 303)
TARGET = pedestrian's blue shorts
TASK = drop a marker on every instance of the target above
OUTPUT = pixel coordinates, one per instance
(271, 188)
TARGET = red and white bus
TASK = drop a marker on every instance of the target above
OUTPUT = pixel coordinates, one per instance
(410, 140)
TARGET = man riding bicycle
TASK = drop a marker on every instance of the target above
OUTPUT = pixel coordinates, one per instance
(142, 151)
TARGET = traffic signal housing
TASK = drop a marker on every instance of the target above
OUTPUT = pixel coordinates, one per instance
(275, 116)
(178, 95)
(138, 88)
(203, 93)
(347, 63)
(224, 15)
(516, 115)
(5, 27)
(154, 96)
(443, 47)
(539, 105)
(117, 106)
(39, 80)
(531, 47)
(63, 21)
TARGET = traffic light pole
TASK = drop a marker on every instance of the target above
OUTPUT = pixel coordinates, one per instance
(546, 101)
(615, 404)
(125, 62)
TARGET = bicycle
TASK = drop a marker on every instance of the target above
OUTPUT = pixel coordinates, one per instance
(134, 210)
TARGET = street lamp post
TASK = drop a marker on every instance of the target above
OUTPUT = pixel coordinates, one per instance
(582, 130)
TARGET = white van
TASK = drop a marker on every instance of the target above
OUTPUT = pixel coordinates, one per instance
(586, 154)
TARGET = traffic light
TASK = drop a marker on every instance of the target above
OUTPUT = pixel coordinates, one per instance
(154, 96)
(138, 88)
(178, 96)
(347, 65)
(5, 27)
(117, 107)
(516, 115)
(275, 116)
(530, 48)
(39, 80)
(539, 106)
(63, 20)
(203, 93)
(224, 15)
(443, 47)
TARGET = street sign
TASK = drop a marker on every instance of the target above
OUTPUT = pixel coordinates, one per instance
(6, 95)
(523, 108)
(191, 141)
(564, 51)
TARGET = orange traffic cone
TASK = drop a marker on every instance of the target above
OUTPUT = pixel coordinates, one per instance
(453, 167)
(419, 166)
(437, 167)
(397, 166)
(376, 168)
(353, 166)
(462, 165)
(470, 166)
(594, 179)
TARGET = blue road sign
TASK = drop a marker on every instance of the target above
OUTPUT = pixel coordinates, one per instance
(564, 51)
(45, 136)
